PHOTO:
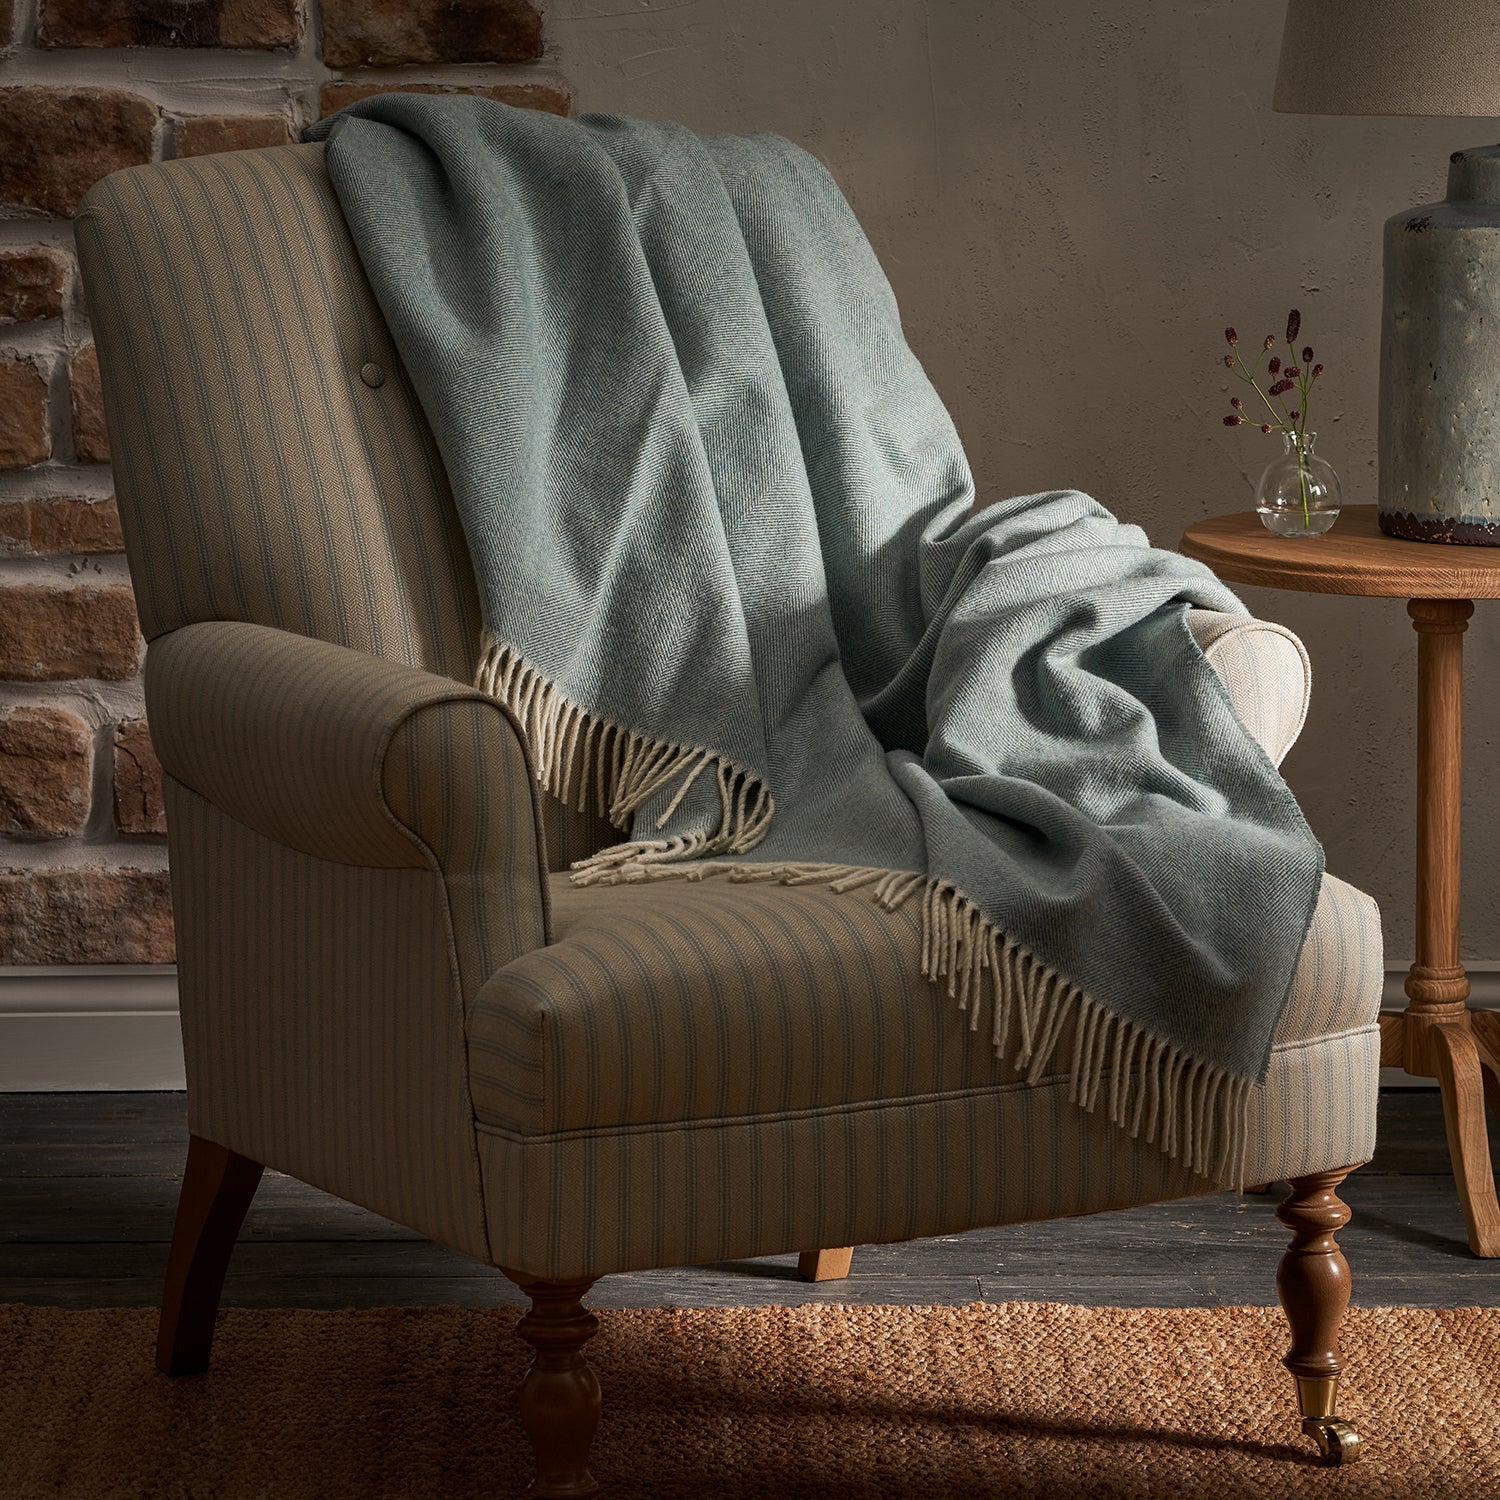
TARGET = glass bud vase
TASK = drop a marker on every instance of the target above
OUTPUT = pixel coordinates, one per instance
(1299, 494)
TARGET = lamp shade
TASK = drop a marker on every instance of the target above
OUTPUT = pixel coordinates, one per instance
(1390, 57)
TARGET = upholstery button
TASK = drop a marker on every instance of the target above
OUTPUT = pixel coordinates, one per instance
(372, 375)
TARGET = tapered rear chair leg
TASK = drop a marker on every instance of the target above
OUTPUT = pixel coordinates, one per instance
(825, 1265)
(1313, 1284)
(217, 1186)
(560, 1397)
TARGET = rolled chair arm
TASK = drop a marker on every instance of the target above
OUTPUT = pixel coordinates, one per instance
(1264, 669)
(359, 761)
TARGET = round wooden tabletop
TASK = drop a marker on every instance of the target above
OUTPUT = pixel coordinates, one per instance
(1356, 557)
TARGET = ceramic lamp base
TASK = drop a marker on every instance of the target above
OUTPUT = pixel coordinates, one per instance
(1435, 528)
(1440, 362)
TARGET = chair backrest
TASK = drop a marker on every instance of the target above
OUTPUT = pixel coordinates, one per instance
(271, 459)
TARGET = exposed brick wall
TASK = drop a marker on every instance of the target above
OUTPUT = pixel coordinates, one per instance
(88, 86)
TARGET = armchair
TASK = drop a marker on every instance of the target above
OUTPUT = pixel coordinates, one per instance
(387, 991)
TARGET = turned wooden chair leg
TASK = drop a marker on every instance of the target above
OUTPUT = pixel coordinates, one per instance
(825, 1265)
(1313, 1284)
(559, 1397)
(217, 1186)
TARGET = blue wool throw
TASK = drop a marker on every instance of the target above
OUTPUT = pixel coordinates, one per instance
(733, 591)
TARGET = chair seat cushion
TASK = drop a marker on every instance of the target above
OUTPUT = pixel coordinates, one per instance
(688, 1001)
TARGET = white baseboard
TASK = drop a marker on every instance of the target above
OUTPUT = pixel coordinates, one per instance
(114, 1026)
(89, 1026)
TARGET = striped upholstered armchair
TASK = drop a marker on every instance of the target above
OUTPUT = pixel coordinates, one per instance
(389, 990)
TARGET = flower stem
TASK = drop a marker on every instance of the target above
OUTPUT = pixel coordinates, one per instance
(1249, 380)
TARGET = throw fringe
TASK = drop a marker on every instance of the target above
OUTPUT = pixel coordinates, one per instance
(1193, 1112)
(575, 752)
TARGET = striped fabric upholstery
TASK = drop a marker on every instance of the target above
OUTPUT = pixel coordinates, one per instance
(396, 768)
(260, 476)
(480, 828)
(711, 1000)
(684, 1193)
(321, 1021)
(772, 1059)
(382, 993)
(1265, 671)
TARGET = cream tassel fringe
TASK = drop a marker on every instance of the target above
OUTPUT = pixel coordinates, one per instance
(1193, 1112)
(575, 753)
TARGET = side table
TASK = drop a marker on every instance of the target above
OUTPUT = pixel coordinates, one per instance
(1438, 1035)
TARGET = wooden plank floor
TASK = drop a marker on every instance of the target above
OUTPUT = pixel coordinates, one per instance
(88, 1186)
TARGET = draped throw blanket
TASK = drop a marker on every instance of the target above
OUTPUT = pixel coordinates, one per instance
(732, 589)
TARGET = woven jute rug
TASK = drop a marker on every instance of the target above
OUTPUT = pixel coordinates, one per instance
(1020, 1399)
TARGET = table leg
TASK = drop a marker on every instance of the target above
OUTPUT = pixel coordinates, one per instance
(1437, 977)
(1436, 1036)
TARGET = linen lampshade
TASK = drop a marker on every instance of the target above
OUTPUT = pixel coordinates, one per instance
(1390, 57)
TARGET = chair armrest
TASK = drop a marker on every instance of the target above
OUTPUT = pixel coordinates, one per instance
(1265, 671)
(359, 761)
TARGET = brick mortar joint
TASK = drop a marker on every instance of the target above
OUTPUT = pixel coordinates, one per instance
(28, 16)
(57, 481)
(142, 851)
(93, 700)
(100, 823)
(90, 569)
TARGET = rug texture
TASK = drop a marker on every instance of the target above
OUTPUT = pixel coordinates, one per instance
(763, 1404)
(722, 535)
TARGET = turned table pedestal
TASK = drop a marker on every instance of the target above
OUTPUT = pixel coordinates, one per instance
(1438, 1035)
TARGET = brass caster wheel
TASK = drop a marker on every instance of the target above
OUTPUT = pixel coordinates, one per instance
(1337, 1440)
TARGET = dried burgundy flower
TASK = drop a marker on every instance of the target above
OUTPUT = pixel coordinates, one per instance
(1286, 377)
